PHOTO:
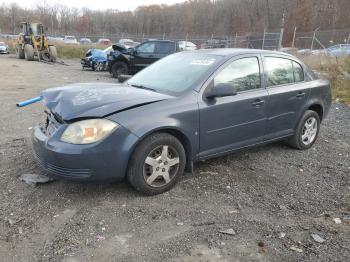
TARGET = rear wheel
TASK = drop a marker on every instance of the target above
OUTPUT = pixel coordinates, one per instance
(29, 52)
(53, 53)
(156, 164)
(119, 68)
(307, 131)
(19, 52)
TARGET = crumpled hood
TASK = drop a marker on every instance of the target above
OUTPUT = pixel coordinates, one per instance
(86, 100)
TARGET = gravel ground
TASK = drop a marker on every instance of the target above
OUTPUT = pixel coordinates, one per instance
(272, 198)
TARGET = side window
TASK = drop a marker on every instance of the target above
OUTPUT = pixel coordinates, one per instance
(279, 71)
(298, 72)
(148, 47)
(165, 47)
(242, 74)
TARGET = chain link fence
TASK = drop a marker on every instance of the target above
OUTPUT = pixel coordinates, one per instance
(258, 40)
(320, 39)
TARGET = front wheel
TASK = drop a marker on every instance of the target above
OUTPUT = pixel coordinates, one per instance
(119, 68)
(307, 131)
(29, 52)
(53, 53)
(156, 164)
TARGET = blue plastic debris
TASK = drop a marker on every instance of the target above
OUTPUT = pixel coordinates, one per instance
(29, 102)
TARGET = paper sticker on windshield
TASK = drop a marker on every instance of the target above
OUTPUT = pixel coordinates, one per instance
(203, 62)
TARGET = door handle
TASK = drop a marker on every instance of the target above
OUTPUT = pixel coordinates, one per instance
(258, 102)
(300, 94)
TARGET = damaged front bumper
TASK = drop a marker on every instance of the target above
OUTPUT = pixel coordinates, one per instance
(105, 160)
(86, 63)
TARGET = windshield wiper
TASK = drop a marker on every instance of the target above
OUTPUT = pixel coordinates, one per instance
(144, 87)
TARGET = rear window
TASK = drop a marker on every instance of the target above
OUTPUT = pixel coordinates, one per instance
(165, 47)
(298, 72)
(281, 71)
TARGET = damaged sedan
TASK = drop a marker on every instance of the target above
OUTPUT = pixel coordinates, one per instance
(187, 107)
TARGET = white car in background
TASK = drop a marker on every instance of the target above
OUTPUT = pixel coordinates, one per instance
(4, 48)
(70, 40)
(127, 43)
(187, 46)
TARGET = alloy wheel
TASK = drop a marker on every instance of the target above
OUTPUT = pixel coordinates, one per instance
(309, 131)
(161, 166)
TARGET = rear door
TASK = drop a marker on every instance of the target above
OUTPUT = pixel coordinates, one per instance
(164, 48)
(288, 92)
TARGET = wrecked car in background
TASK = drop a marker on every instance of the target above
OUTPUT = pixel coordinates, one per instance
(124, 61)
(96, 59)
(187, 107)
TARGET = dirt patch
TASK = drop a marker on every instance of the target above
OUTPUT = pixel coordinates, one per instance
(273, 197)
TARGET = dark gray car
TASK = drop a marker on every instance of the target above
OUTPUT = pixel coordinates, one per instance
(187, 107)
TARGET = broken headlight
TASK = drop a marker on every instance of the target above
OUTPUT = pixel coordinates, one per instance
(88, 131)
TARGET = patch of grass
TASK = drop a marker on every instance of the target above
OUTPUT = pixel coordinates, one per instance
(337, 70)
(71, 51)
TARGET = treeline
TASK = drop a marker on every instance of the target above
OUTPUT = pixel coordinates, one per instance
(194, 17)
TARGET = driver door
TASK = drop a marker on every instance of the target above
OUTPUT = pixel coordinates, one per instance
(143, 56)
(232, 122)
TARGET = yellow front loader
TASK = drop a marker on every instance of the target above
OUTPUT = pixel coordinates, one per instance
(32, 42)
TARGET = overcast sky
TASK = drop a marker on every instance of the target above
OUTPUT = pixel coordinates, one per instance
(123, 5)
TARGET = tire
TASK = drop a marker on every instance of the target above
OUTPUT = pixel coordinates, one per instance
(119, 68)
(19, 52)
(307, 131)
(29, 52)
(162, 170)
(53, 53)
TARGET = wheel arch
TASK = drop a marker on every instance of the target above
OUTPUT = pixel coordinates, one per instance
(121, 58)
(184, 140)
(318, 108)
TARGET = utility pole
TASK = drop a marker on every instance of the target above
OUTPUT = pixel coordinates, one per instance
(281, 39)
(235, 43)
(313, 38)
(295, 31)
(263, 42)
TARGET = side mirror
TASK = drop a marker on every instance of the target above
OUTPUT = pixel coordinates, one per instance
(220, 90)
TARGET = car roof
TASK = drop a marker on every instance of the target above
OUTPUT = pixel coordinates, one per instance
(228, 52)
(159, 40)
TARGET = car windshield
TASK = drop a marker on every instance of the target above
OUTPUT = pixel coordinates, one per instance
(2, 44)
(176, 73)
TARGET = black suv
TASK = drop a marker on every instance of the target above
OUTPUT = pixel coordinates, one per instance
(133, 60)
